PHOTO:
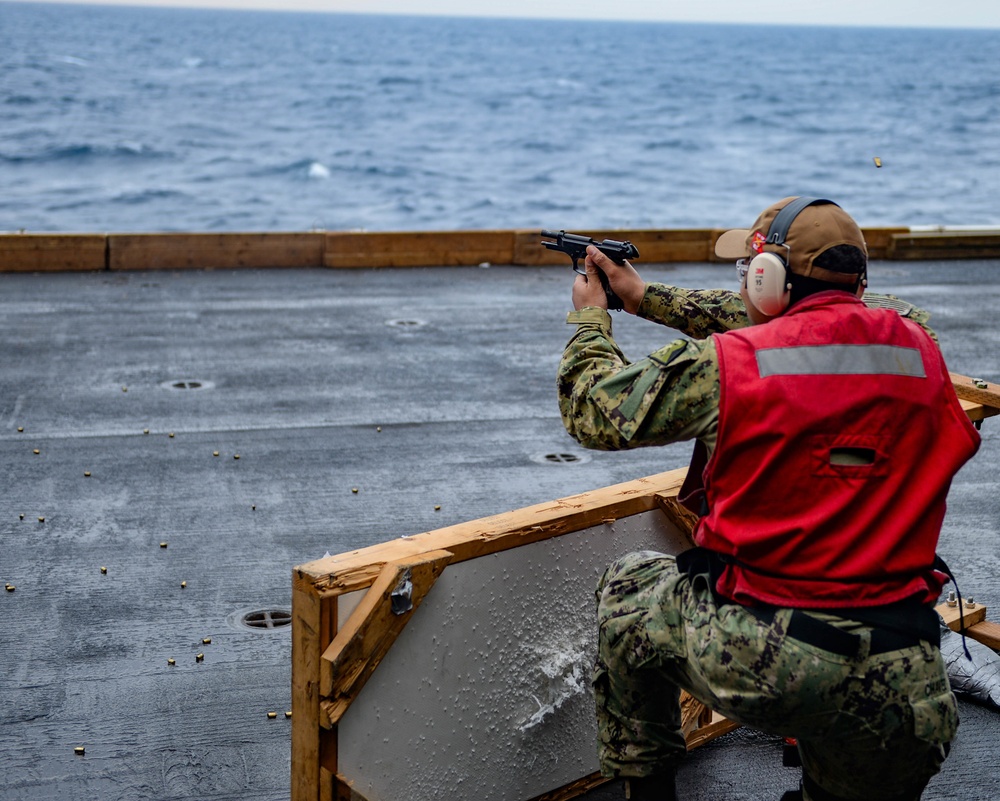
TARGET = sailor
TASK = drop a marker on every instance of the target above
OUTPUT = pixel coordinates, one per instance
(826, 436)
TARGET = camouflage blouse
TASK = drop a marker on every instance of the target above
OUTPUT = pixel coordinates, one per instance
(610, 403)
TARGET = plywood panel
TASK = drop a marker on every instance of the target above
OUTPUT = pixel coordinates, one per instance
(486, 693)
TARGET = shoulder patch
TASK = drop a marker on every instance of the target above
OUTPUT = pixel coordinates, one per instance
(671, 353)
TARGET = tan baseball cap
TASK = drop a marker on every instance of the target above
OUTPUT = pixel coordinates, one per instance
(814, 230)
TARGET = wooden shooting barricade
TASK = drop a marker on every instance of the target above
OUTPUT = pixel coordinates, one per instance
(456, 663)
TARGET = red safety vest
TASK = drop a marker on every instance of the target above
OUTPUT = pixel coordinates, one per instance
(839, 434)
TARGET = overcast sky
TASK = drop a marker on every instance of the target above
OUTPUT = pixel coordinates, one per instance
(895, 13)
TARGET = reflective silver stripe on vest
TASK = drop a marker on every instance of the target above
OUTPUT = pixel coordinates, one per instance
(841, 360)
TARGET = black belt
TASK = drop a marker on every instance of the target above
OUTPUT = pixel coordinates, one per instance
(812, 631)
(902, 624)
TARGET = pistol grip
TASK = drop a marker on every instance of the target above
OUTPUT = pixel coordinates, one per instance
(614, 302)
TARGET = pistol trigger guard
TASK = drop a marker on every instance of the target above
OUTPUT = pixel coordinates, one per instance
(576, 266)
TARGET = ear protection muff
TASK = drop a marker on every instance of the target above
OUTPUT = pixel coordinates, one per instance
(769, 285)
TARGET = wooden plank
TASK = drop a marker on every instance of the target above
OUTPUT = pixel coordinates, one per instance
(344, 790)
(914, 245)
(978, 412)
(976, 390)
(355, 570)
(986, 632)
(705, 734)
(419, 249)
(976, 625)
(879, 240)
(372, 628)
(306, 651)
(953, 615)
(30, 253)
(678, 514)
(214, 251)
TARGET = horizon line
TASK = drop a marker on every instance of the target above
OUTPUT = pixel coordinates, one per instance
(222, 5)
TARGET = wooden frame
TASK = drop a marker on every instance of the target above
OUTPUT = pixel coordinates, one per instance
(24, 252)
(335, 650)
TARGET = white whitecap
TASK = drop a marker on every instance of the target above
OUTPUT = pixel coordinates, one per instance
(193, 62)
(318, 171)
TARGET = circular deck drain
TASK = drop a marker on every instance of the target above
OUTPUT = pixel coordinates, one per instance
(266, 619)
(405, 323)
(560, 458)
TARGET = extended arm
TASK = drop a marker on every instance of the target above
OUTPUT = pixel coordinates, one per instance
(608, 404)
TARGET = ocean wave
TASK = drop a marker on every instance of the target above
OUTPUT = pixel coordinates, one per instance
(81, 153)
(318, 172)
(682, 145)
(73, 61)
(306, 169)
(399, 80)
(148, 196)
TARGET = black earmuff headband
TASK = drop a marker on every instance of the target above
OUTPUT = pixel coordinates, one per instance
(783, 220)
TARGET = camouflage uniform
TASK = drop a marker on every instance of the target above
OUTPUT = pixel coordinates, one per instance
(867, 726)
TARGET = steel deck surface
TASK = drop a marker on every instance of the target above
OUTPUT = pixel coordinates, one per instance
(362, 406)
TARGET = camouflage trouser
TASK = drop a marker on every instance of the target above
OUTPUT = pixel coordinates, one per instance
(867, 727)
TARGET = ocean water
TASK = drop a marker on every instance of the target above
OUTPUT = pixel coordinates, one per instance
(127, 119)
